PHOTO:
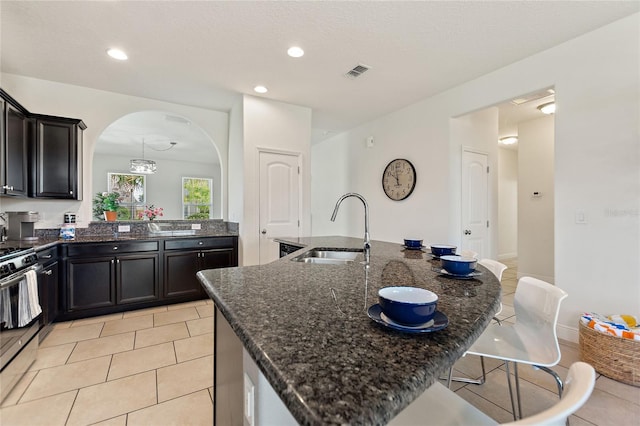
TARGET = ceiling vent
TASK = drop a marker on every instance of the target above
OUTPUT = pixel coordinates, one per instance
(357, 71)
(176, 119)
(532, 97)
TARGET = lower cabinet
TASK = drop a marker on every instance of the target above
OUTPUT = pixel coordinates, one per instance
(182, 262)
(102, 278)
(115, 280)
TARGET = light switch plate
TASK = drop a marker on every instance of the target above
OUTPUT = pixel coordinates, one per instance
(581, 217)
(124, 228)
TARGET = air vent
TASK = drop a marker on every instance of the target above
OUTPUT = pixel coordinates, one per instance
(176, 119)
(357, 71)
(532, 97)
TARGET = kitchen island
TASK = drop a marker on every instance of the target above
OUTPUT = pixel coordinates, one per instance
(306, 328)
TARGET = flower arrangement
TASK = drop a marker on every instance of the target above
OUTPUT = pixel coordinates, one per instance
(105, 202)
(150, 212)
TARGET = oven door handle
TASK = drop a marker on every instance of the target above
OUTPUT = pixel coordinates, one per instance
(14, 279)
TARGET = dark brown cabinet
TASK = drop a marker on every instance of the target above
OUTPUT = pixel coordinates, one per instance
(103, 278)
(56, 168)
(41, 155)
(107, 275)
(183, 258)
(48, 288)
(14, 134)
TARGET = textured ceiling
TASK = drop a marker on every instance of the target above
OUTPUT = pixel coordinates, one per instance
(206, 53)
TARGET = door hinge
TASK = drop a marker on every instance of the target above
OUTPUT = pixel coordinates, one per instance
(487, 224)
(298, 223)
(487, 169)
(298, 169)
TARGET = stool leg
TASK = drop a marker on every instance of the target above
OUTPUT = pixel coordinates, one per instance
(515, 369)
(513, 405)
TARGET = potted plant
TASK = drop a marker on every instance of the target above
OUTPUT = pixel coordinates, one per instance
(106, 204)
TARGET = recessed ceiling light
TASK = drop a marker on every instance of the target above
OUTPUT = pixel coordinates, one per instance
(295, 52)
(260, 89)
(548, 108)
(508, 140)
(117, 54)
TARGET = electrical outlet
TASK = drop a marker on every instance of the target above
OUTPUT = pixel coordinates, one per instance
(124, 228)
(196, 226)
(581, 217)
(249, 400)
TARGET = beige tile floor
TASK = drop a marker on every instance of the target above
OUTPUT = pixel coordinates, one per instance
(146, 367)
(611, 403)
(155, 367)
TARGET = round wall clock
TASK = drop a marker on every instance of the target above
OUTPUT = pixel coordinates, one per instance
(399, 179)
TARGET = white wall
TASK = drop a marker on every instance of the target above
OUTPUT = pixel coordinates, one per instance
(507, 203)
(535, 213)
(478, 132)
(597, 164)
(164, 188)
(98, 109)
(270, 125)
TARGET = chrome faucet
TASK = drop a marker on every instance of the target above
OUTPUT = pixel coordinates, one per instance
(367, 241)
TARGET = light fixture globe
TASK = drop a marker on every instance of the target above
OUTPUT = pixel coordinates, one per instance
(142, 166)
(508, 140)
(145, 167)
(548, 108)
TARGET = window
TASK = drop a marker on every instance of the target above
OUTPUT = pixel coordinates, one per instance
(131, 188)
(197, 198)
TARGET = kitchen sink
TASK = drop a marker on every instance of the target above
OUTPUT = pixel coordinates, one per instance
(330, 256)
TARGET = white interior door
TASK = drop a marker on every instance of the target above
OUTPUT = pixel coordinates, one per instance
(279, 201)
(475, 203)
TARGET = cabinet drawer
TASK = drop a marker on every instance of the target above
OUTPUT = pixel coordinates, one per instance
(47, 255)
(111, 248)
(199, 243)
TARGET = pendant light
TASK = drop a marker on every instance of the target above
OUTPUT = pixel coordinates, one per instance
(142, 166)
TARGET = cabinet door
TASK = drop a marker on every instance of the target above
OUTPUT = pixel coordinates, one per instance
(14, 152)
(90, 283)
(180, 270)
(54, 174)
(212, 259)
(137, 278)
(48, 293)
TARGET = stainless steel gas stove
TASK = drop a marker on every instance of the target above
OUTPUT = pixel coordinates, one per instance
(18, 330)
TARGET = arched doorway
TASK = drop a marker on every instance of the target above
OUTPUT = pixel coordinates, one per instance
(180, 149)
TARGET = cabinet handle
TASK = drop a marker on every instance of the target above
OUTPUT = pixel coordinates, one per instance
(70, 192)
(118, 261)
(49, 272)
(8, 187)
(115, 247)
(200, 243)
(47, 257)
(113, 261)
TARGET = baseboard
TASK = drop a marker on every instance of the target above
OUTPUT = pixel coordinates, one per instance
(507, 256)
(567, 333)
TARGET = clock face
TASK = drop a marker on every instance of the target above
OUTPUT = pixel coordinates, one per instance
(399, 179)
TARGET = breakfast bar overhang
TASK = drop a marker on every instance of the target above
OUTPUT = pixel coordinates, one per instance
(306, 326)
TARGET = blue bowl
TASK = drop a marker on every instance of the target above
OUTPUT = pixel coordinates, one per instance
(408, 305)
(458, 265)
(413, 243)
(442, 249)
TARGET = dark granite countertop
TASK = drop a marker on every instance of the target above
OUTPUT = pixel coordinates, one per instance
(330, 363)
(48, 241)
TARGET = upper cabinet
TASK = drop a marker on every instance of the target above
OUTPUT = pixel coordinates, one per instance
(56, 168)
(14, 131)
(41, 154)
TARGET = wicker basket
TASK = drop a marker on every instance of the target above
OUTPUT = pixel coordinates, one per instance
(611, 356)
